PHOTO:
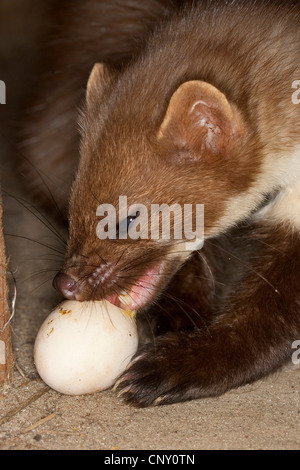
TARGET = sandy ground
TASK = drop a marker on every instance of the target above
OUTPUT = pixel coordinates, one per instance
(265, 415)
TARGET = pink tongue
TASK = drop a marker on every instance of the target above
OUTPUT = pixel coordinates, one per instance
(141, 292)
(113, 299)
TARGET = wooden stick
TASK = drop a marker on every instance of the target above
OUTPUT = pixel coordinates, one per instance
(39, 423)
(23, 405)
(6, 355)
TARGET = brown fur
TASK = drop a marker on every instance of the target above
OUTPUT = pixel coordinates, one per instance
(82, 33)
(228, 314)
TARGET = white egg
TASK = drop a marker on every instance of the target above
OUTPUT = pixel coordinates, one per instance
(83, 347)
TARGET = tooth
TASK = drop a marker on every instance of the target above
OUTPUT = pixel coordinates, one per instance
(125, 299)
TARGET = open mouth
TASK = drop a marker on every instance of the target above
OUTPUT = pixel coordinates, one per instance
(142, 292)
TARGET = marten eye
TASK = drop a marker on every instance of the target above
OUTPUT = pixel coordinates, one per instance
(125, 224)
(130, 219)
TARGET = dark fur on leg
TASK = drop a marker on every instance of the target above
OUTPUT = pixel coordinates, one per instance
(251, 338)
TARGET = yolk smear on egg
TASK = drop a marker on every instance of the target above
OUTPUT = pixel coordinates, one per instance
(64, 312)
(130, 313)
(51, 331)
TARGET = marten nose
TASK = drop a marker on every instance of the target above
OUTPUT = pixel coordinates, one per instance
(66, 285)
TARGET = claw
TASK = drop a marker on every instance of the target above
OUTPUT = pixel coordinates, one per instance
(136, 359)
(119, 382)
(123, 391)
(159, 401)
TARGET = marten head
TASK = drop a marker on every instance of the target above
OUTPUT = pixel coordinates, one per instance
(149, 142)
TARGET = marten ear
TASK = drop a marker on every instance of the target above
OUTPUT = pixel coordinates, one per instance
(99, 77)
(200, 122)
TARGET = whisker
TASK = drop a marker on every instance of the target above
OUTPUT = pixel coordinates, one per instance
(171, 273)
(178, 301)
(40, 174)
(120, 257)
(100, 257)
(34, 241)
(135, 263)
(204, 260)
(38, 273)
(247, 266)
(41, 284)
(54, 258)
(41, 218)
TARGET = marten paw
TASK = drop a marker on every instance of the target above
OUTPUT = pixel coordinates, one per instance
(158, 374)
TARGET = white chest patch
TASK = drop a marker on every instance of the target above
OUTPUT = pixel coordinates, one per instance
(285, 209)
(280, 172)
